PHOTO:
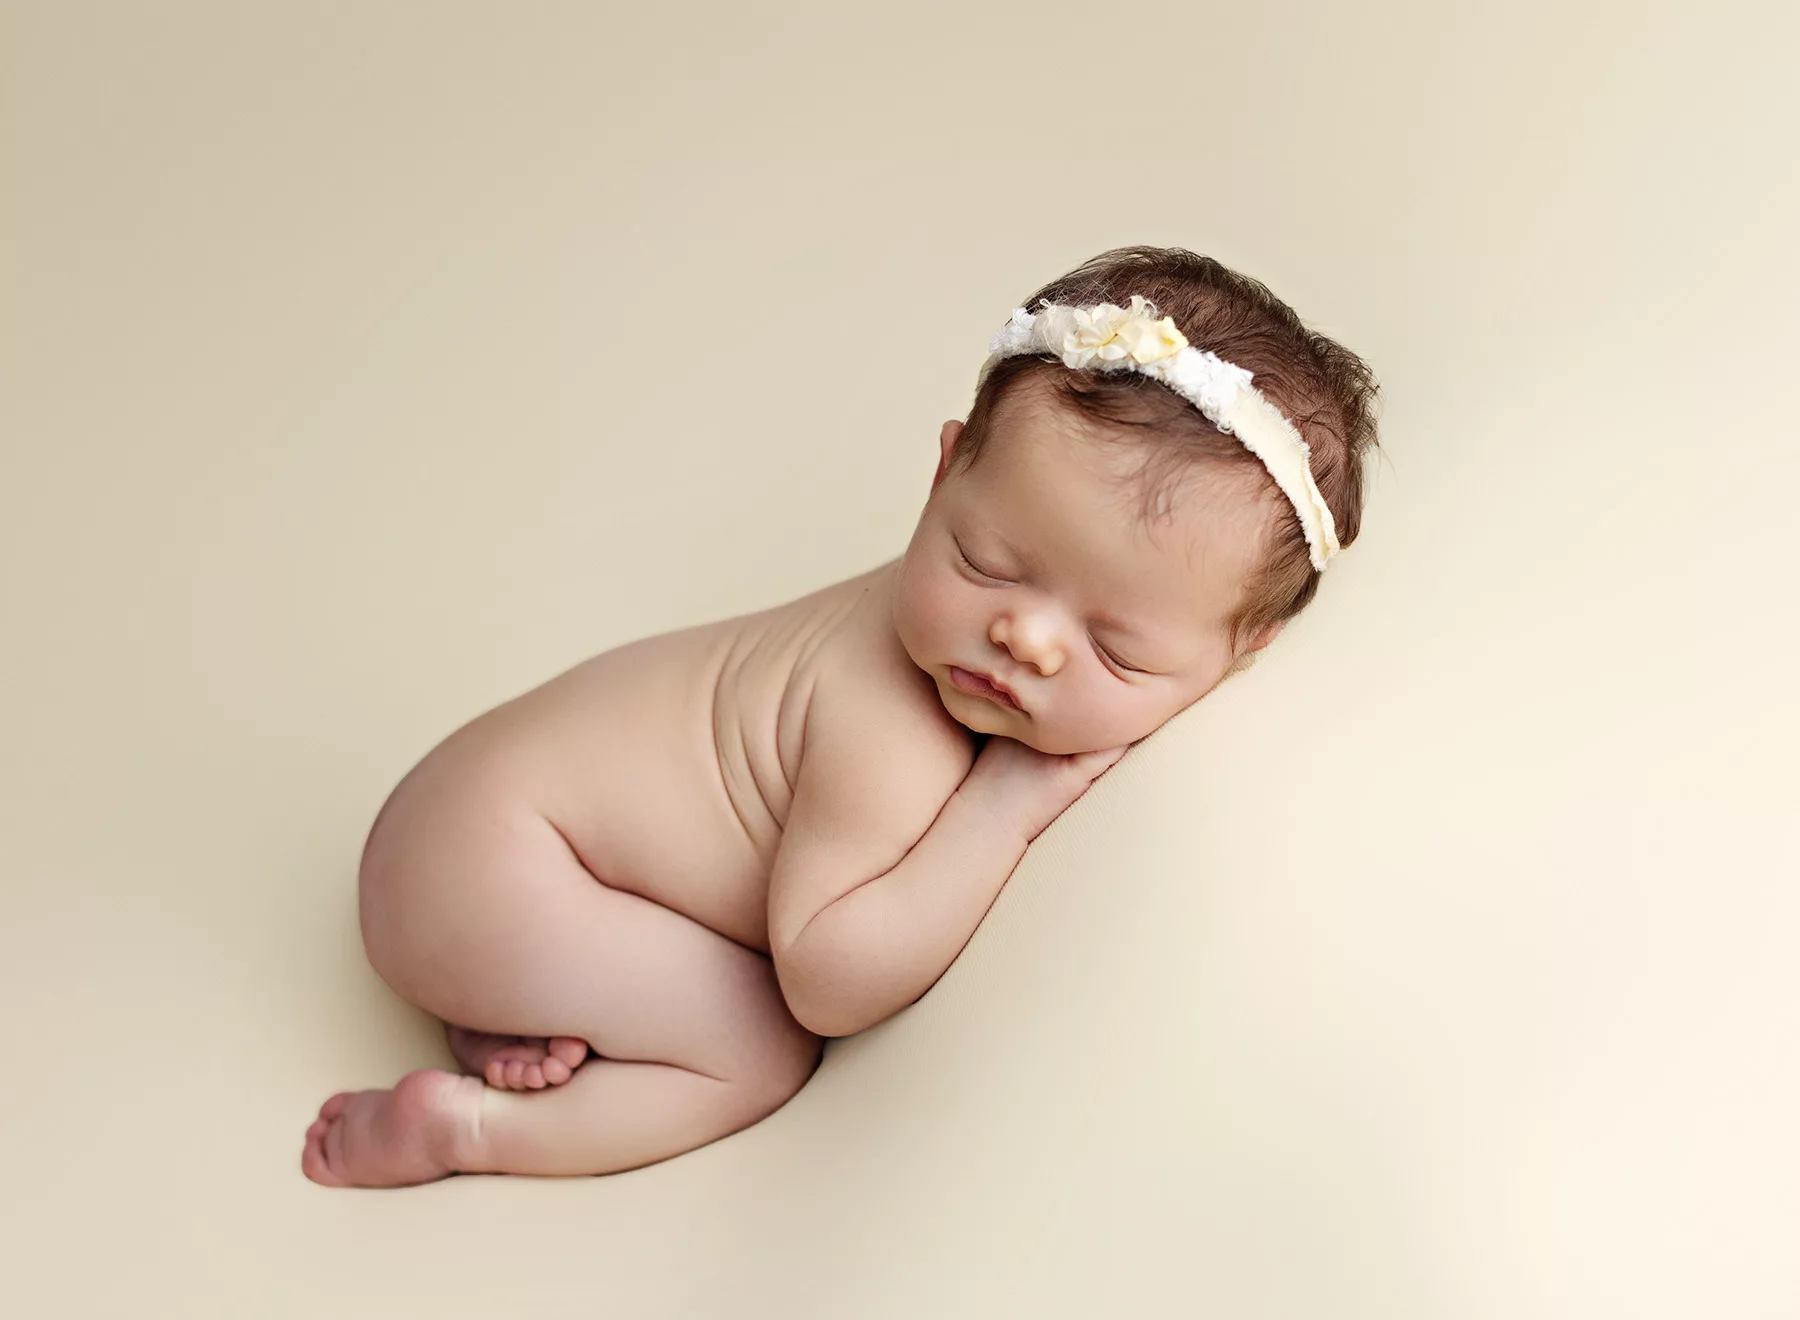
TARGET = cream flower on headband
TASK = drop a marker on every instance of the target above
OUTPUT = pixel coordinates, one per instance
(1111, 333)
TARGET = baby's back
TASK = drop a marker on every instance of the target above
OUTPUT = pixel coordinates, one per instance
(669, 763)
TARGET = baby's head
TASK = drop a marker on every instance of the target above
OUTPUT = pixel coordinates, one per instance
(1093, 541)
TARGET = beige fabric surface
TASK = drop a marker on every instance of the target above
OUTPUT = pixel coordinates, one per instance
(364, 365)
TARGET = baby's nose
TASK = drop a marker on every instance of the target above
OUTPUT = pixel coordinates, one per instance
(1030, 641)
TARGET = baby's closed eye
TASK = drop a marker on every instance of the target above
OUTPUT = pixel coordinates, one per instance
(1112, 659)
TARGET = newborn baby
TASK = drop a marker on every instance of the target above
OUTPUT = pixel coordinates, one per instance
(641, 894)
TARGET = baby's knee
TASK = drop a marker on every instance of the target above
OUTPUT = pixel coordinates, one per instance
(779, 1076)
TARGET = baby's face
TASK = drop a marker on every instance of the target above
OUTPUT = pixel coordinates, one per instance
(1035, 569)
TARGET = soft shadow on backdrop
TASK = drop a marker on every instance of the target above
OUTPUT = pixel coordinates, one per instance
(365, 366)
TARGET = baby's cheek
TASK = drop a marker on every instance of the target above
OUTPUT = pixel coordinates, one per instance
(925, 606)
(915, 618)
(1121, 718)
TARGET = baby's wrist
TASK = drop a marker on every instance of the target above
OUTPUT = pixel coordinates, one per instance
(1007, 810)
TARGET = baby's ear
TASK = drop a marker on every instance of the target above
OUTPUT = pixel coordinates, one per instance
(947, 439)
(1247, 657)
(1266, 634)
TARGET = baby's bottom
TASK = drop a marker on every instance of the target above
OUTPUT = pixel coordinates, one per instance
(504, 930)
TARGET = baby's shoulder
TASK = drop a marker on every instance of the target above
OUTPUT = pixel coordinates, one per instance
(868, 694)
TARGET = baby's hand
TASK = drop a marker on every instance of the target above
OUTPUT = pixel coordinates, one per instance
(1029, 788)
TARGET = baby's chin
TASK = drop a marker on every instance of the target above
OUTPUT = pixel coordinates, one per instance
(979, 714)
(1065, 746)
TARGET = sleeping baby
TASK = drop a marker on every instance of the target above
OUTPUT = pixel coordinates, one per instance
(640, 895)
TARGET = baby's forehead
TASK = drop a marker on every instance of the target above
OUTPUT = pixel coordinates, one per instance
(1168, 523)
(1143, 468)
(1048, 475)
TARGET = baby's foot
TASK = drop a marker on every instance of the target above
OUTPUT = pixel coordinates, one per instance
(517, 1063)
(411, 1134)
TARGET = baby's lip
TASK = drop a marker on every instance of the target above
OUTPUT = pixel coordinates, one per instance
(973, 688)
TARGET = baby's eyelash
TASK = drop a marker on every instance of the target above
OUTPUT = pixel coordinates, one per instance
(964, 556)
(1115, 659)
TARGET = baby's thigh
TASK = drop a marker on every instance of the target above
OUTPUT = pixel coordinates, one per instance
(476, 908)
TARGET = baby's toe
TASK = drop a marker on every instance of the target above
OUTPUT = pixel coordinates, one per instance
(313, 1161)
(556, 1072)
(568, 1051)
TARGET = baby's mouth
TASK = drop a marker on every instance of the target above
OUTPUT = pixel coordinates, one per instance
(978, 686)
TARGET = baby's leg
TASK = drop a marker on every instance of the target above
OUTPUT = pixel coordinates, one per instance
(504, 928)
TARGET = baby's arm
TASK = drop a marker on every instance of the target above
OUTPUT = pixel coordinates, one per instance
(889, 863)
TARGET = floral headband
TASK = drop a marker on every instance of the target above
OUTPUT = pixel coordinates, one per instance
(1109, 338)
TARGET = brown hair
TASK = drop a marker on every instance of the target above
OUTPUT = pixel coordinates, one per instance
(1318, 384)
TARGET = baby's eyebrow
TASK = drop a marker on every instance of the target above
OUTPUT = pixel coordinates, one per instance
(1023, 558)
(1112, 624)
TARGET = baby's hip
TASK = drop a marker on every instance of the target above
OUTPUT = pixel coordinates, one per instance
(488, 831)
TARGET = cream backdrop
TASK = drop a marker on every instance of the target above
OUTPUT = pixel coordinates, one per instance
(365, 365)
